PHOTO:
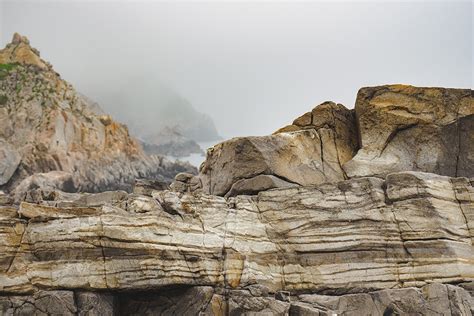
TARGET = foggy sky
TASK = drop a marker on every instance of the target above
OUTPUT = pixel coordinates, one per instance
(252, 66)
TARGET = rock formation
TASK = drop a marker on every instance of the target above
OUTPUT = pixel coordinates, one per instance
(50, 133)
(341, 212)
(310, 151)
(410, 128)
(169, 142)
(353, 240)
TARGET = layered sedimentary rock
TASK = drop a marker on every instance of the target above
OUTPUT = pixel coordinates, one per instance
(354, 236)
(409, 128)
(46, 127)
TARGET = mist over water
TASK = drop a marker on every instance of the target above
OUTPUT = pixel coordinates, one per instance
(252, 67)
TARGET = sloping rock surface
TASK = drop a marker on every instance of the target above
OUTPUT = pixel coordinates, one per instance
(46, 126)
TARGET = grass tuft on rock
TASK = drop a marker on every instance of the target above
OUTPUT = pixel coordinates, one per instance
(3, 99)
(5, 68)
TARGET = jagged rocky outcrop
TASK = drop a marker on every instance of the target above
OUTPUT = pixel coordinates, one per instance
(50, 133)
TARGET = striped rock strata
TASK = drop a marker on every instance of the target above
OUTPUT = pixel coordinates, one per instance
(358, 235)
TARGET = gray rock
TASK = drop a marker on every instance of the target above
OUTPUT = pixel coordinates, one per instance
(180, 301)
(147, 186)
(168, 141)
(356, 235)
(256, 184)
(183, 176)
(302, 309)
(50, 181)
(9, 161)
(244, 303)
(41, 303)
(186, 182)
(96, 304)
(432, 299)
(5, 199)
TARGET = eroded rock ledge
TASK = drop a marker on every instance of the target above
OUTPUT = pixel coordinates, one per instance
(354, 236)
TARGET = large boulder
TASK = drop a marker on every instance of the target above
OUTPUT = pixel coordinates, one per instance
(295, 157)
(410, 128)
(310, 151)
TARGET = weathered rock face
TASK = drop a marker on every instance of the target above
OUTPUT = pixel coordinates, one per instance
(353, 236)
(47, 127)
(335, 120)
(410, 128)
(311, 151)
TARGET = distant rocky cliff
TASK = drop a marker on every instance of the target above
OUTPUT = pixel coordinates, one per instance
(169, 141)
(367, 211)
(51, 136)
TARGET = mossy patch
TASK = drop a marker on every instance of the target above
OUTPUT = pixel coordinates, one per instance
(5, 68)
(3, 99)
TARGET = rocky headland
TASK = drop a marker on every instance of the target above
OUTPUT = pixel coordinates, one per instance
(364, 211)
(51, 136)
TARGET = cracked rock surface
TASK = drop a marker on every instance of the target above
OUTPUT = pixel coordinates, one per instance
(343, 239)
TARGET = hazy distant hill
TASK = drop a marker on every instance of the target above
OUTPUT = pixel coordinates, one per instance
(168, 141)
(147, 107)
